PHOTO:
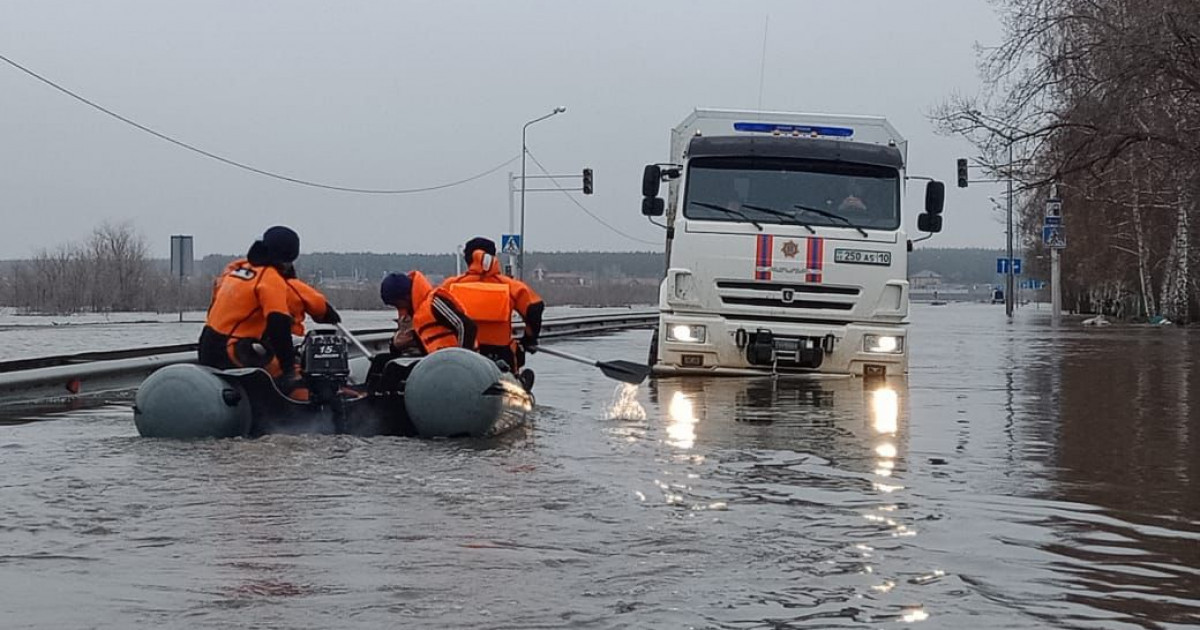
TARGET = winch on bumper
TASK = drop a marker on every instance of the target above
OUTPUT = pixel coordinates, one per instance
(717, 345)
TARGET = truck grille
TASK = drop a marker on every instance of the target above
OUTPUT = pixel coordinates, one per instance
(775, 295)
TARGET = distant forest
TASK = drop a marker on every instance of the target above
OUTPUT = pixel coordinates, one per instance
(369, 266)
(955, 265)
(112, 271)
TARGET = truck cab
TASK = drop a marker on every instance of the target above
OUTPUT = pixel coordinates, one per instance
(786, 249)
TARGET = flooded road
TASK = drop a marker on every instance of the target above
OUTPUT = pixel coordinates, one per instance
(1019, 478)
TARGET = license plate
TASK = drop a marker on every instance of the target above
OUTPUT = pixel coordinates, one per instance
(862, 257)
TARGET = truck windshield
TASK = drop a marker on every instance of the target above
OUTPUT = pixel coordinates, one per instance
(804, 192)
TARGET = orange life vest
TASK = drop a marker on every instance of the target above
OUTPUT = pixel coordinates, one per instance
(490, 298)
(434, 335)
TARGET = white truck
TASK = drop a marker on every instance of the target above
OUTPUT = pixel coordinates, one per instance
(785, 244)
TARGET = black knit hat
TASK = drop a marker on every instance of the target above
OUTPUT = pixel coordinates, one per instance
(395, 287)
(487, 245)
(282, 243)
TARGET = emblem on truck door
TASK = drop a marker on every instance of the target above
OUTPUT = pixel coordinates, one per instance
(790, 249)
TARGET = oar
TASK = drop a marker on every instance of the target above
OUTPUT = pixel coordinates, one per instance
(624, 371)
(361, 348)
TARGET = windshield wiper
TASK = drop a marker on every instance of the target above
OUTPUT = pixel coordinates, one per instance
(790, 217)
(825, 213)
(713, 206)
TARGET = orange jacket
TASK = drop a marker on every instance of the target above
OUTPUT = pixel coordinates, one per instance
(249, 306)
(438, 319)
(490, 299)
(244, 296)
(304, 300)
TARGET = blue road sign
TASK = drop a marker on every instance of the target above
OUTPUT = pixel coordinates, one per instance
(510, 243)
(1002, 266)
(1054, 236)
(1053, 221)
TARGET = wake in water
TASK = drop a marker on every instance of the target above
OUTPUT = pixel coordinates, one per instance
(625, 405)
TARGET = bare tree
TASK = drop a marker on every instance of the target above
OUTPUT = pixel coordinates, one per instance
(1103, 98)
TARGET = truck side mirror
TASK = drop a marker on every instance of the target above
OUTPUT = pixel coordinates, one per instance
(653, 206)
(935, 197)
(931, 223)
(651, 178)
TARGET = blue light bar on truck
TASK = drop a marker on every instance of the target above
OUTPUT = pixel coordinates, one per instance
(807, 130)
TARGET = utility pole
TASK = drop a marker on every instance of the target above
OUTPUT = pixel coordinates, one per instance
(1054, 239)
(1009, 302)
(512, 219)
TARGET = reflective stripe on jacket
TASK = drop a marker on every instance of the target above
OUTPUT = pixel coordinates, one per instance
(438, 319)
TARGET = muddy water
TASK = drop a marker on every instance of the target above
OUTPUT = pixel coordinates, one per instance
(1019, 478)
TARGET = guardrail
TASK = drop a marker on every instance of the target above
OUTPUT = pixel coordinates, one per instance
(69, 376)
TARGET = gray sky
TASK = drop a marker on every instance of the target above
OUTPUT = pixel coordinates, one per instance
(407, 94)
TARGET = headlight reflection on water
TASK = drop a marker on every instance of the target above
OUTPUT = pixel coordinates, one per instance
(885, 418)
(885, 410)
(681, 432)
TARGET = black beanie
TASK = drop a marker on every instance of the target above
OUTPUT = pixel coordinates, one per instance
(283, 244)
(487, 245)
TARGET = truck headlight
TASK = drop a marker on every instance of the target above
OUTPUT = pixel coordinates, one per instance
(883, 344)
(686, 333)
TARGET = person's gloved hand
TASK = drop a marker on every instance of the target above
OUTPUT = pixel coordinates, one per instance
(530, 344)
(331, 316)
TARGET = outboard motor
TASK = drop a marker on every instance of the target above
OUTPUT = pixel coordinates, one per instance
(325, 364)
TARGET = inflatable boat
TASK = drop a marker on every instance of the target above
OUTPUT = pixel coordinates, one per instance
(450, 393)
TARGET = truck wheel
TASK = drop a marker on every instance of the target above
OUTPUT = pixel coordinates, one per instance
(653, 358)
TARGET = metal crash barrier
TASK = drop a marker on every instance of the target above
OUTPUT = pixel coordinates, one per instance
(69, 376)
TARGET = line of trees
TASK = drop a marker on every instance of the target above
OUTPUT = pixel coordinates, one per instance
(1102, 98)
(112, 271)
(109, 271)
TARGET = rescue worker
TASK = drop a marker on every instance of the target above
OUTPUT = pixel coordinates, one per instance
(438, 319)
(250, 321)
(490, 299)
(302, 298)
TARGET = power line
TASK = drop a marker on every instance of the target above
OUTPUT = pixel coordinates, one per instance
(581, 206)
(247, 167)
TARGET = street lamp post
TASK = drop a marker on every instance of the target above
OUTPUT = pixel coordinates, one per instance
(990, 125)
(524, 151)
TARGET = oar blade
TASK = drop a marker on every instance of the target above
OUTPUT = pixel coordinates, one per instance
(624, 371)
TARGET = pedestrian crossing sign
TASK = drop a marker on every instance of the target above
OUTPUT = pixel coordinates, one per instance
(510, 243)
(1053, 236)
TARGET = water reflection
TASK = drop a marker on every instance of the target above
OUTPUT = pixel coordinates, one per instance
(804, 464)
(835, 418)
(681, 415)
(1126, 442)
(885, 417)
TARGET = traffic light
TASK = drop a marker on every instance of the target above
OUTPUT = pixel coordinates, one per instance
(962, 172)
(587, 181)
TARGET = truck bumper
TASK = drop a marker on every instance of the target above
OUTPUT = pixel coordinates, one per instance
(724, 347)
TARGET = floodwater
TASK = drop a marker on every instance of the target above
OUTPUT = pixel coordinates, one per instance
(1021, 477)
